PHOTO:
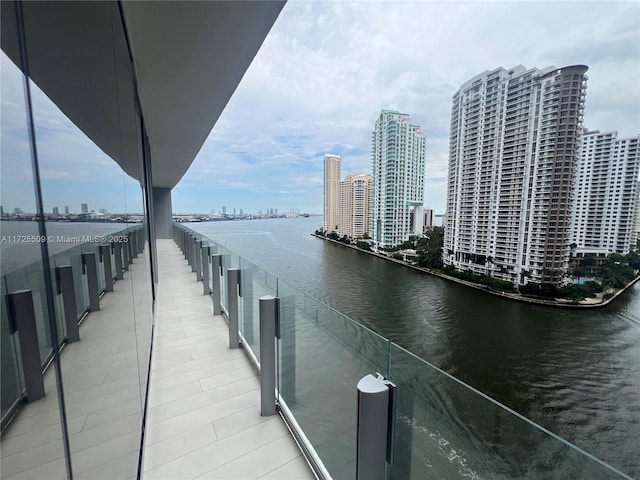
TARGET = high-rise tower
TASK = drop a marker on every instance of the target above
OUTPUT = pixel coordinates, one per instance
(398, 156)
(513, 152)
(606, 202)
(354, 205)
(331, 184)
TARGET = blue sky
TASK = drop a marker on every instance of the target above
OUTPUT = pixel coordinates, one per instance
(318, 83)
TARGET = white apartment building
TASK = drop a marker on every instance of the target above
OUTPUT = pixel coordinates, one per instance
(398, 159)
(606, 201)
(354, 205)
(513, 153)
(332, 165)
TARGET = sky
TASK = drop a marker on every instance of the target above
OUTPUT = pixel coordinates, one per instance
(326, 70)
(317, 85)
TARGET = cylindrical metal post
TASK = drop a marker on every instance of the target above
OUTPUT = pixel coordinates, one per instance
(105, 258)
(64, 280)
(268, 319)
(22, 318)
(116, 247)
(89, 268)
(193, 254)
(373, 410)
(233, 282)
(206, 262)
(133, 241)
(216, 276)
(130, 248)
(126, 257)
(199, 261)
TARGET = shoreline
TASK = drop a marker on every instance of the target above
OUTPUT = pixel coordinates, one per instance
(509, 296)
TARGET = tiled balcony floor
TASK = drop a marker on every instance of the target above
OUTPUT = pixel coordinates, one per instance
(203, 417)
(102, 397)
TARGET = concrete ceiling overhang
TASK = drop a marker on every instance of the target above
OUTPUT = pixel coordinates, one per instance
(189, 57)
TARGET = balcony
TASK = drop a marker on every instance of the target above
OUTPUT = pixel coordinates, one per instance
(205, 401)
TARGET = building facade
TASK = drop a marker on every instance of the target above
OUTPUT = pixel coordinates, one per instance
(332, 167)
(513, 153)
(606, 201)
(354, 205)
(398, 149)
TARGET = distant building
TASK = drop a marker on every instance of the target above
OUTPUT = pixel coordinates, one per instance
(1, 211)
(354, 205)
(513, 154)
(66, 209)
(332, 166)
(398, 159)
(428, 219)
(241, 212)
(224, 209)
(56, 212)
(84, 208)
(606, 202)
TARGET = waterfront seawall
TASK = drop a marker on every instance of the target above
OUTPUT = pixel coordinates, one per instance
(510, 296)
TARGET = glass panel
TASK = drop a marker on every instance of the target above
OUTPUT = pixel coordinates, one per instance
(446, 429)
(322, 356)
(255, 284)
(34, 435)
(90, 199)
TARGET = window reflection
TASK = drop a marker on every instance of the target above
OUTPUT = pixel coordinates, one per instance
(34, 438)
(99, 261)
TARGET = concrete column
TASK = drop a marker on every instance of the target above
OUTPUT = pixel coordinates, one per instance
(162, 212)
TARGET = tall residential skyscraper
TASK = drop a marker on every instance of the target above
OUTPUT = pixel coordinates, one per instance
(398, 155)
(331, 184)
(513, 152)
(84, 208)
(606, 202)
(354, 205)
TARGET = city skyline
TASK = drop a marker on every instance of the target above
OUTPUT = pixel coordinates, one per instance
(321, 78)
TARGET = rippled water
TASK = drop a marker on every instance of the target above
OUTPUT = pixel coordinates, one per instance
(577, 373)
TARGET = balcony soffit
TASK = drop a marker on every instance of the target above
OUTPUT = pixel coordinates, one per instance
(189, 58)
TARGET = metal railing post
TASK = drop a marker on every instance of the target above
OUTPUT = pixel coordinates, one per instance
(133, 241)
(233, 292)
(116, 247)
(187, 252)
(65, 287)
(216, 276)
(105, 258)
(22, 319)
(376, 405)
(199, 261)
(126, 259)
(89, 268)
(130, 251)
(206, 261)
(193, 253)
(268, 332)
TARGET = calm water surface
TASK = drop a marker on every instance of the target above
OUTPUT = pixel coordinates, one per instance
(576, 373)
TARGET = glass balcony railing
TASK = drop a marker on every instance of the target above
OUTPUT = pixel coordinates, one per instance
(443, 428)
(32, 278)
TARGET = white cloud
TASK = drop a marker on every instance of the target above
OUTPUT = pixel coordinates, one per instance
(327, 68)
